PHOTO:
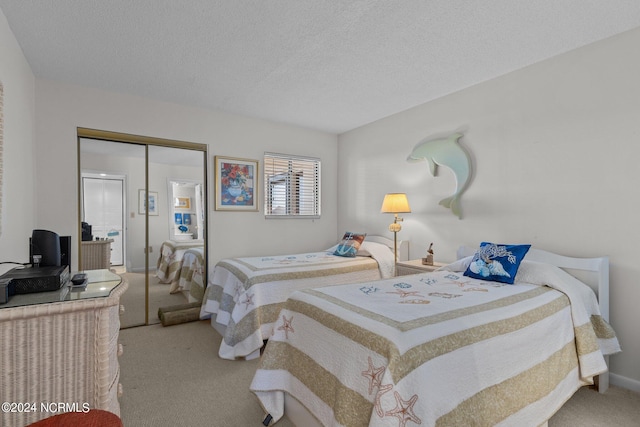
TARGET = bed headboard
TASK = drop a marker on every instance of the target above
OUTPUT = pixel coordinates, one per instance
(597, 268)
(403, 245)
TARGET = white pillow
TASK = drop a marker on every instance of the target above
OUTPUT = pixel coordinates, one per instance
(461, 265)
(366, 248)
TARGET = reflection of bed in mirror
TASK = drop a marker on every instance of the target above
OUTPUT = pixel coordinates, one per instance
(192, 273)
(244, 295)
(173, 256)
(441, 348)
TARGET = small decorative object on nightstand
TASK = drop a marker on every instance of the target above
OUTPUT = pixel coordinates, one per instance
(429, 259)
(415, 266)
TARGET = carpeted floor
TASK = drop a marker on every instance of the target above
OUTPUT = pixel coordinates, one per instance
(173, 376)
(133, 299)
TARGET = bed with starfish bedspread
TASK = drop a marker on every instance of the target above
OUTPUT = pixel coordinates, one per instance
(244, 295)
(171, 258)
(192, 273)
(436, 349)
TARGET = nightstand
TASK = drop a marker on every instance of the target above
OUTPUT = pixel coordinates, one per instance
(415, 266)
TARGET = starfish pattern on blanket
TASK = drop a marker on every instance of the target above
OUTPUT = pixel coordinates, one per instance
(404, 294)
(374, 375)
(286, 326)
(460, 283)
(404, 410)
(378, 400)
(238, 292)
(248, 300)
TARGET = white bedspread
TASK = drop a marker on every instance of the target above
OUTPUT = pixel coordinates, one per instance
(170, 260)
(245, 295)
(437, 349)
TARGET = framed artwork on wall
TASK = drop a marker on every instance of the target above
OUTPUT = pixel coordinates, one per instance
(182, 203)
(152, 202)
(236, 184)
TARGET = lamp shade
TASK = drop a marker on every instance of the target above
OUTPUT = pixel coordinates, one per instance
(395, 203)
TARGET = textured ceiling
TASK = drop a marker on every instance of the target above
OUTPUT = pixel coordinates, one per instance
(331, 65)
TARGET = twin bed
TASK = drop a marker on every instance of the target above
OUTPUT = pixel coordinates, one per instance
(182, 265)
(442, 348)
(349, 344)
(245, 295)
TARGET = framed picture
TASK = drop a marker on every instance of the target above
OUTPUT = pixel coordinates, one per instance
(236, 184)
(182, 203)
(151, 202)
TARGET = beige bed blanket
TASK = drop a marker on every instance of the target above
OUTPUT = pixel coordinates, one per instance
(169, 262)
(245, 295)
(437, 349)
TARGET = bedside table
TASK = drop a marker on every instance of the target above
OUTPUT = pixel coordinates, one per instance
(415, 266)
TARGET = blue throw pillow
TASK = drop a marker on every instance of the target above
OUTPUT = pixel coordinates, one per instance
(350, 244)
(497, 263)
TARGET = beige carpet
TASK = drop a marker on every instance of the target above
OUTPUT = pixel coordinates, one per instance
(133, 299)
(173, 376)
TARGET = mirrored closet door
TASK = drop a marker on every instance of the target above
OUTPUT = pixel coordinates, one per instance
(142, 214)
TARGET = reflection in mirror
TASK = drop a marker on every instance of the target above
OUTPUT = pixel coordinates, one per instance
(115, 205)
(177, 233)
(186, 210)
(111, 175)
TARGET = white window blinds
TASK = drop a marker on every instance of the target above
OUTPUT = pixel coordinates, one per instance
(292, 186)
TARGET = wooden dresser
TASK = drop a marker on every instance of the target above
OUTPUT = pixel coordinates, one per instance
(59, 350)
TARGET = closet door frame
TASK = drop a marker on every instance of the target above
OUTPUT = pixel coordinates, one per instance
(146, 141)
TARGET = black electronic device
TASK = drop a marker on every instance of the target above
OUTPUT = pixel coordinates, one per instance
(45, 238)
(36, 279)
(86, 232)
(46, 244)
(79, 279)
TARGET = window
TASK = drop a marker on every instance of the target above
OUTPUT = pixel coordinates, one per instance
(291, 186)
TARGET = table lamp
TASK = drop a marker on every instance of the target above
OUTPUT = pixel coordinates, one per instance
(395, 203)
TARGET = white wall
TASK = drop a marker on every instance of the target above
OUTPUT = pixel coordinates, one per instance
(555, 148)
(18, 209)
(60, 109)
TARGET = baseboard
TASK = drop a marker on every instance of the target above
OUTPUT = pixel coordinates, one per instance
(624, 382)
(152, 270)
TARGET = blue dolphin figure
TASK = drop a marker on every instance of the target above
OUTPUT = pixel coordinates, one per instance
(446, 152)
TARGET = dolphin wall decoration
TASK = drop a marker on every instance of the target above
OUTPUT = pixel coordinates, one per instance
(446, 152)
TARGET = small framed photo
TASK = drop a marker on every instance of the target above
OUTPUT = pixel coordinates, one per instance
(147, 202)
(237, 184)
(182, 202)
